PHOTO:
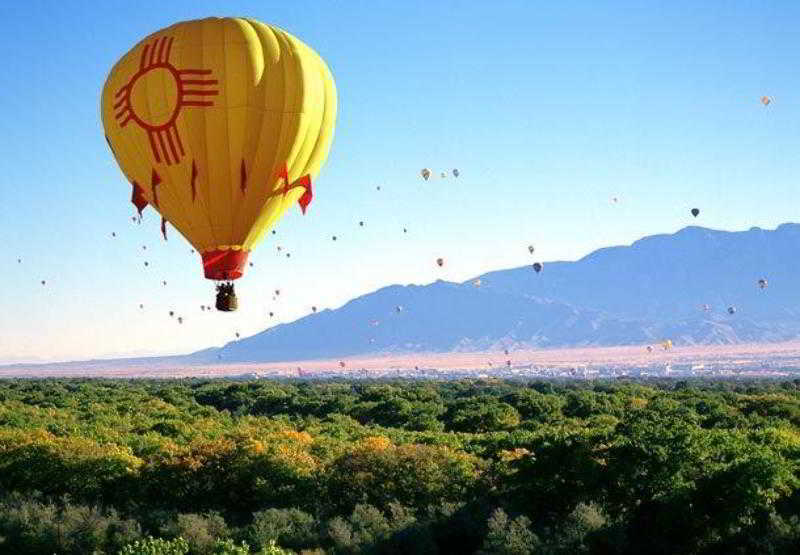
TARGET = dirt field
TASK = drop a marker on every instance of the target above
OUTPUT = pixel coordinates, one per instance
(732, 356)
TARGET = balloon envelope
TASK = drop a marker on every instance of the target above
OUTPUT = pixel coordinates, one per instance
(220, 125)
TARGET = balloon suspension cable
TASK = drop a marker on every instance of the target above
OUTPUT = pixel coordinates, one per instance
(226, 297)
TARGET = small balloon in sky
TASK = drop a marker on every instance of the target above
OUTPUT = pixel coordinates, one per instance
(456, 173)
(766, 100)
(695, 212)
(440, 262)
(537, 267)
(425, 173)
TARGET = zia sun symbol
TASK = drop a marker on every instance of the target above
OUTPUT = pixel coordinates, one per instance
(184, 87)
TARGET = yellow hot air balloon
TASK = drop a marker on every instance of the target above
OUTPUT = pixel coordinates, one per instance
(220, 125)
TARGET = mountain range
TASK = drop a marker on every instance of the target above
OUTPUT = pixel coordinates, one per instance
(656, 288)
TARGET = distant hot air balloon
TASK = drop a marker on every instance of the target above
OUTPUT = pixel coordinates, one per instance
(251, 264)
(361, 224)
(762, 283)
(44, 282)
(171, 313)
(237, 335)
(341, 363)
(399, 308)
(180, 319)
(271, 314)
(164, 283)
(731, 310)
(313, 308)
(695, 212)
(615, 200)
(220, 125)
(649, 349)
(113, 234)
(146, 263)
(19, 261)
(456, 173)
(530, 249)
(537, 267)
(141, 305)
(440, 262)
(334, 237)
(425, 173)
(277, 291)
(405, 230)
(766, 100)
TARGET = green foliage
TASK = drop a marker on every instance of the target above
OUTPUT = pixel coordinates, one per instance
(508, 537)
(491, 466)
(156, 546)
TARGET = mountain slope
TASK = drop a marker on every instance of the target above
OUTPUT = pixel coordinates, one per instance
(640, 293)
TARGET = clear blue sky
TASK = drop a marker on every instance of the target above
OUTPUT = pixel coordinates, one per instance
(549, 109)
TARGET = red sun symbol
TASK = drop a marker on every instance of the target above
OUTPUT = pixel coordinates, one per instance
(191, 87)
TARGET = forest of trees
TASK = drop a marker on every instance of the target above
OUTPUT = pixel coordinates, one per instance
(398, 467)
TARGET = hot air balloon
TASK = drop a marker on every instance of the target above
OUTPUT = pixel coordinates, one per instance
(695, 212)
(44, 282)
(146, 263)
(277, 291)
(251, 264)
(440, 262)
(180, 319)
(456, 173)
(530, 249)
(341, 363)
(237, 335)
(271, 314)
(649, 349)
(425, 173)
(113, 234)
(19, 261)
(399, 308)
(313, 308)
(762, 283)
(220, 125)
(171, 313)
(405, 230)
(731, 310)
(141, 306)
(334, 237)
(537, 267)
(766, 100)
(164, 283)
(361, 224)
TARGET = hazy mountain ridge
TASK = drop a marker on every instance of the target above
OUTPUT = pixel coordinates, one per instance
(650, 290)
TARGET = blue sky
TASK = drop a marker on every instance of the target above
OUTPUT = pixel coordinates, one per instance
(549, 109)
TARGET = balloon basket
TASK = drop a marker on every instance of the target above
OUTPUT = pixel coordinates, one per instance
(226, 298)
